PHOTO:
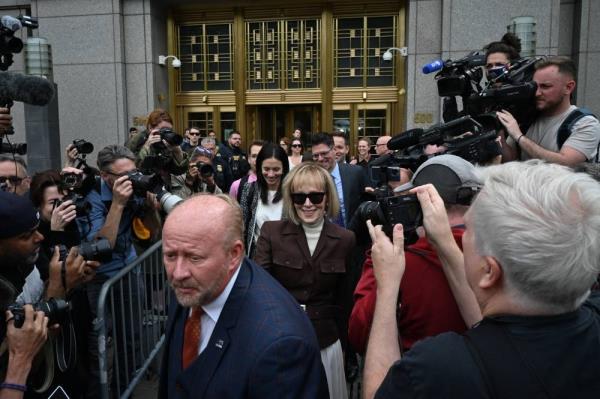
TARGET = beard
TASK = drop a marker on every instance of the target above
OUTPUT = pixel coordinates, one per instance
(203, 294)
(15, 269)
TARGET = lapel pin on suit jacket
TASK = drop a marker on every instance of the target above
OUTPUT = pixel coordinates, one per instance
(219, 344)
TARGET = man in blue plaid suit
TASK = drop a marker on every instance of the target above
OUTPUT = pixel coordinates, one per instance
(233, 332)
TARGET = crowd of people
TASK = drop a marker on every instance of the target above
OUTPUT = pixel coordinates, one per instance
(285, 268)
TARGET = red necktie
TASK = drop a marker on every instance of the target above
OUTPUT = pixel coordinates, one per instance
(191, 337)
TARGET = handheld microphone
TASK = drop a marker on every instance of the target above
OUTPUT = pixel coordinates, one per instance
(433, 66)
(405, 140)
(28, 89)
(10, 23)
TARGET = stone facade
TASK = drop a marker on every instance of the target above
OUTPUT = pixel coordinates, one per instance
(106, 54)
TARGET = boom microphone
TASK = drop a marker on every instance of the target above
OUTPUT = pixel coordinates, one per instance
(10, 23)
(28, 89)
(405, 140)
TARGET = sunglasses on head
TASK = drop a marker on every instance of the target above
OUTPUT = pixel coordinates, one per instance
(314, 198)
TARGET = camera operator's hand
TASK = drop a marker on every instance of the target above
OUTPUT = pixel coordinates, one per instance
(388, 258)
(435, 218)
(24, 343)
(510, 124)
(193, 171)
(151, 201)
(71, 169)
(5, 121)
(209, 180)
(71, 155)
(153, 137)
(122, 190)
(77, 271)
(62, 215)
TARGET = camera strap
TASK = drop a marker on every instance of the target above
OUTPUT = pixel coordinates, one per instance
(66, 352)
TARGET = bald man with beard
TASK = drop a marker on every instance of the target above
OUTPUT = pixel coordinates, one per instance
(233, 331)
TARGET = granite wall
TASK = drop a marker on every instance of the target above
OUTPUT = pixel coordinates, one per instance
(449, 29)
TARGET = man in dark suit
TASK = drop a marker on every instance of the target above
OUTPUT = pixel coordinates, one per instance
(350, 180)
(233, 332)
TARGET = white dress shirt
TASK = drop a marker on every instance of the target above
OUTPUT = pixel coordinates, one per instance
(212, 311)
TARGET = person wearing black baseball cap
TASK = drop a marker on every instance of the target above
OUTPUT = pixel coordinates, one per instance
(428, 305)
(19, 245)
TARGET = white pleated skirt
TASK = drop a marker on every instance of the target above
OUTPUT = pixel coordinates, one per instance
(333, 362)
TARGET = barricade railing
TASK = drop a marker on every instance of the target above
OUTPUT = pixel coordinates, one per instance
(132, 316)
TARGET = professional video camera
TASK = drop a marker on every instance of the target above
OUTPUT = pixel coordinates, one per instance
(458, 78)
(15, 86)
(511, 89)
(471, 139)
(9, 44)
(57, 311)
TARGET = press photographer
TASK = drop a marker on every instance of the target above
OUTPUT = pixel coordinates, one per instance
(562, 133)
(428, 305)
(200, 177)
(113, 209)
(20, 280)
(161, 152)
(13, 174)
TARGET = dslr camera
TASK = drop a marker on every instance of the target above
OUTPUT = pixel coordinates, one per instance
(205, 169)
(168, 135)
(389, 210)
(98, 250)
(72, 184)
(83, 147)
(56, 310)
(143, 183)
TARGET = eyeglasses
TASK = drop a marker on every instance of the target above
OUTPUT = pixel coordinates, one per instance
(194, 134)
(122, 174)
(322, 154)
(297, 145)
(494, 64)
(314, 198)
(14, 180)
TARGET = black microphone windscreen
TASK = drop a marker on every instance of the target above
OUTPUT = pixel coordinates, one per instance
(28, 89)
(405, 140)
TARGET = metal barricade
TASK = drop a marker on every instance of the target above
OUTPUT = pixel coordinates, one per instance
(132, 316)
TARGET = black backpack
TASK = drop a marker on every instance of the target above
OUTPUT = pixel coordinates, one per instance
(566, 128)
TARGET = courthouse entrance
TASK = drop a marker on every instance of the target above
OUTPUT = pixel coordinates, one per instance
(266, 68)
(277, 121)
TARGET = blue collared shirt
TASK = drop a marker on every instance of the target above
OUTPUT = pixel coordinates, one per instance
(337, 179)
(89, 226)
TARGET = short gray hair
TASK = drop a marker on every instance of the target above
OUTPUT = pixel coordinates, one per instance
(542, 223)
(109, 154)
(208, 140)
(14, 158)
